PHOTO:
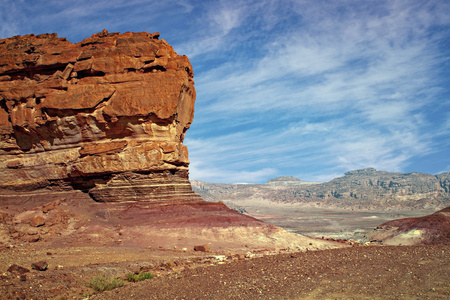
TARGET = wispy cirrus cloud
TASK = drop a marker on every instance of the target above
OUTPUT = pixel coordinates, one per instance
(309, 89)
(8, 18)
(367, 74)
(225, 17)
(77, 20)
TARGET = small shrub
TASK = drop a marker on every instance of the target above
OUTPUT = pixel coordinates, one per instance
(139, 277)
(100, 283)
(168, 264)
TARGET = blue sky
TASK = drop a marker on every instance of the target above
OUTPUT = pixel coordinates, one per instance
(310, 89)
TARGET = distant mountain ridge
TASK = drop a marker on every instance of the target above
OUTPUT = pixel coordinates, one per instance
(366, 189)
(289, 180)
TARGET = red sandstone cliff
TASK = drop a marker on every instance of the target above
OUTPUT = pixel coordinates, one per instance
(107, 115)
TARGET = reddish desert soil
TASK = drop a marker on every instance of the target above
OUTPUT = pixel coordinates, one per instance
(79, 240)
(363, 272)
(69, 219)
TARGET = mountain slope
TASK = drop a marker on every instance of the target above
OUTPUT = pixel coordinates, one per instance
(366, 189)
(427, 230)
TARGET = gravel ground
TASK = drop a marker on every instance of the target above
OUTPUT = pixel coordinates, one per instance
(375, 272)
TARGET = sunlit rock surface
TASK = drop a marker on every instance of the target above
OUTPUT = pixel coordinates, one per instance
(106, 116)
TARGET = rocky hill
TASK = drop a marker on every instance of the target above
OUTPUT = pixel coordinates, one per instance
(427, 230)
(366, 189)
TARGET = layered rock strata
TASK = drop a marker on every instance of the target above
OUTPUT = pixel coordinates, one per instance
(366, 189)
(106, 116)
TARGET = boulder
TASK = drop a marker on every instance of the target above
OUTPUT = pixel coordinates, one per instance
(39, 266)
(37, 221)
(16, 269)
(202, 248)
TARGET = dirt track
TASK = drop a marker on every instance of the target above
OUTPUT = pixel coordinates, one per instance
(375, 272)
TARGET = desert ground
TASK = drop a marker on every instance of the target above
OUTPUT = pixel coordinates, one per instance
(315, 269)
(314, 221)
(360, 272)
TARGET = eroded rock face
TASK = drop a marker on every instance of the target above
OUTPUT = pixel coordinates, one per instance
(107, 115)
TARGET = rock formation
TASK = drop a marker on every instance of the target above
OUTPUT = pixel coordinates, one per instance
(366, 189)
(106, 116)
(105, 119)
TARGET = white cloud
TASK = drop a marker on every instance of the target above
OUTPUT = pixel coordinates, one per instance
(77, 20)
(10, 17)
(366, 78)
(209, 156)
(361, 149)
(292, 86)
(220, 175)
(226, 17)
